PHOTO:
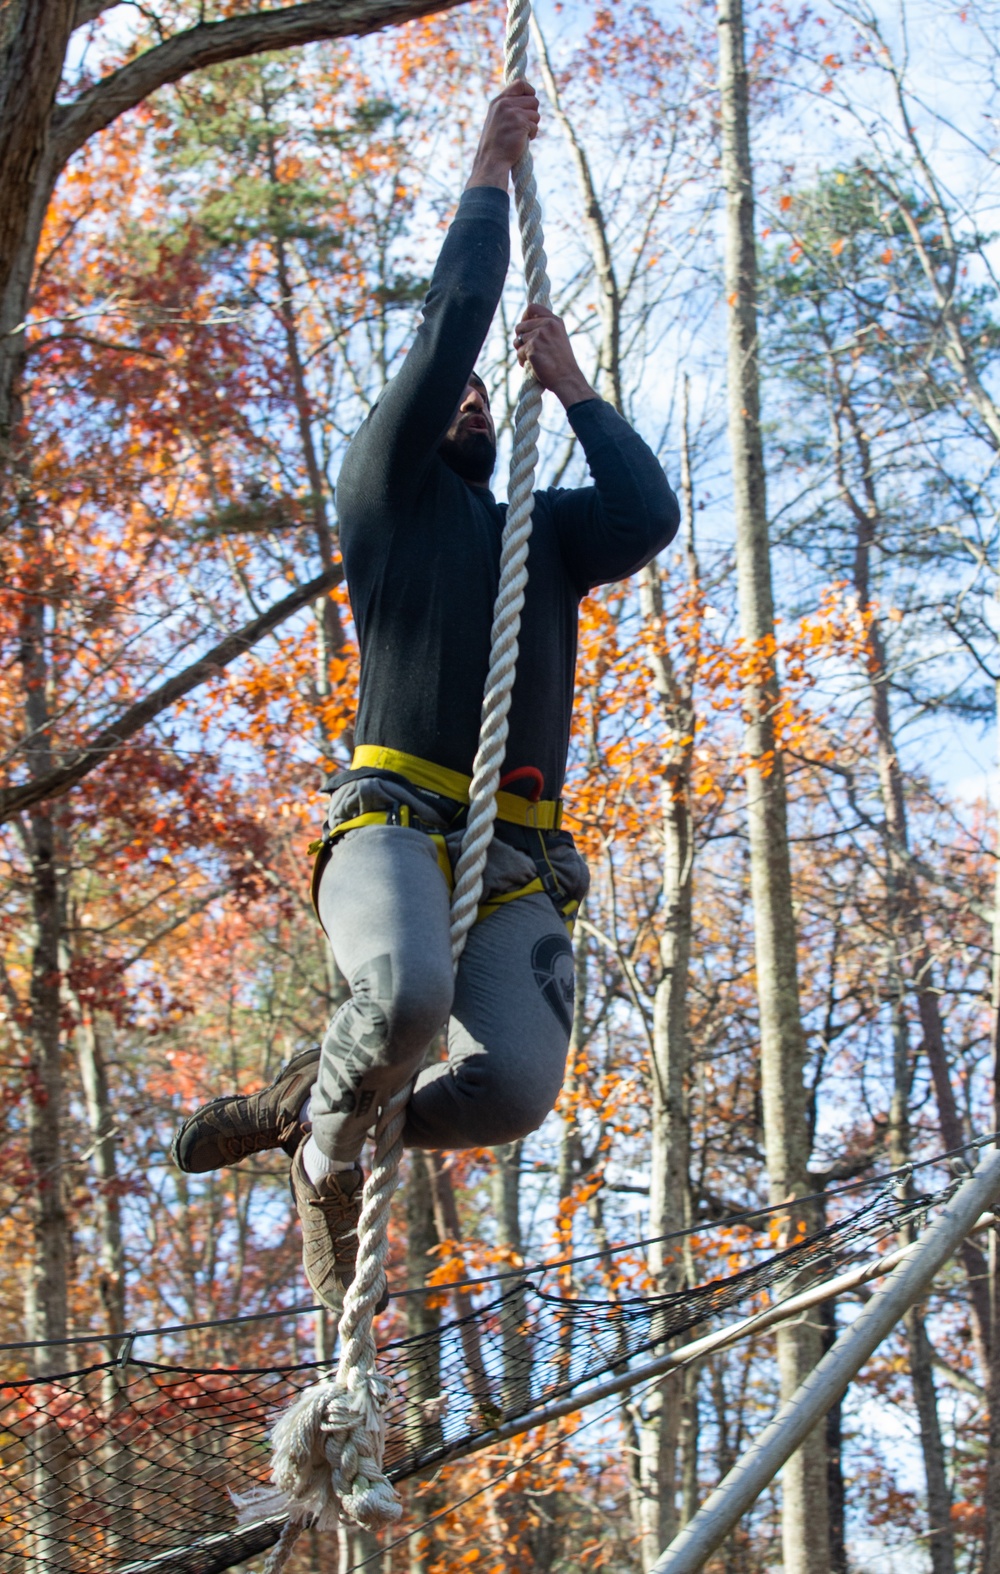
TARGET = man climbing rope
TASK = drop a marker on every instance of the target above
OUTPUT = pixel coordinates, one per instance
(420, 532)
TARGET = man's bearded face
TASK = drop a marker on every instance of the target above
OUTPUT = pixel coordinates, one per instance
(469, 447)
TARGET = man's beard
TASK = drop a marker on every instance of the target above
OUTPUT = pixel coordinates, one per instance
(472, 456)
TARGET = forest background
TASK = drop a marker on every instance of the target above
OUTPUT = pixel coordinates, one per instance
(226, 274)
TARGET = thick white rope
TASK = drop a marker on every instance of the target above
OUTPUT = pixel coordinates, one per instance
(514, 548)
(328, 1447)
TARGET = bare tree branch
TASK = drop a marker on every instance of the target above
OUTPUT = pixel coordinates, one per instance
(915, 864)
(139, 715)
(89, 10)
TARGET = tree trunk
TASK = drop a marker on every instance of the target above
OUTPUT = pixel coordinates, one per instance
(991, 1558)
(941, 1535)
(689, 1443)
(905, 910)
(669, 1208)
(659, 1423)
(805, 1533)
(33, 39)
(908, 920)
(570, 1162)
(516, 1335)
(836, 1493)
(47, 1282)
(609, 298)
(47, 1286)
(984, 1286)
(446, 1222)
(424, 1364)
(725, 1451)
(921, 1361)
(329, 628)
(628, 1412)
(104, 1148)
(669, 1190)
(114, 1487)
(49, 1262)
(356, 1546)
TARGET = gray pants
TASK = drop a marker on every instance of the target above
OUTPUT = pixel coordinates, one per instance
(384, 904)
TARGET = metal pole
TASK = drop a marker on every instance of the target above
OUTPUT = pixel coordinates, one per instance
(829, 1379)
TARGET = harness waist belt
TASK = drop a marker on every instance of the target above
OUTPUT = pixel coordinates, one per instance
(402, 816)
(546, 815)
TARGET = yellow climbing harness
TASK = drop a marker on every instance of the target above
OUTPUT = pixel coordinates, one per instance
(544, 815)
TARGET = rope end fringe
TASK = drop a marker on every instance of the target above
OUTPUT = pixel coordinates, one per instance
(327, 1456)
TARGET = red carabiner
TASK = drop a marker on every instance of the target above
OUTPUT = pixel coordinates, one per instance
(520, 775)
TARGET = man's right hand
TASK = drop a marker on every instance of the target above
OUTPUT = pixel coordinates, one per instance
(511, 122)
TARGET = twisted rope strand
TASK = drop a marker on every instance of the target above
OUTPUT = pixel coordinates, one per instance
(283, 1547)
(328, 1447)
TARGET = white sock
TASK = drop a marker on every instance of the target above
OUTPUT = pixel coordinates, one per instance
(305, 1113)
(317, 1165)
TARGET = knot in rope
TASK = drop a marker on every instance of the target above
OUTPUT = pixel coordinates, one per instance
(328, 1448)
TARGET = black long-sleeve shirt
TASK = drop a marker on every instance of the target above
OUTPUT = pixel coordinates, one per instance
(422, 547)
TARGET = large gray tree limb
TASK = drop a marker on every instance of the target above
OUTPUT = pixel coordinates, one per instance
(90, 10)
(38, 136)
(212, 42)
(135, 717)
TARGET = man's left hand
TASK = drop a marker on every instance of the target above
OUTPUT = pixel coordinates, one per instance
(541, 339)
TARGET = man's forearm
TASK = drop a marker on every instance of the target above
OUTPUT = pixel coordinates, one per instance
(573, 389)
(391, 451)
(511, 122)
(489, 172)
(609, 530)
(542, 342)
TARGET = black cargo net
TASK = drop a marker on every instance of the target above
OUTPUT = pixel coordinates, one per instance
(127, 1464)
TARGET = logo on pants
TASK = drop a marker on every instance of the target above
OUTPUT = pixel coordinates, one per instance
(552, 963)
(356, 1039)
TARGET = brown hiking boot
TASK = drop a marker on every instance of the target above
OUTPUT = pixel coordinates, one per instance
(329, 1212)
(231, 1128)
